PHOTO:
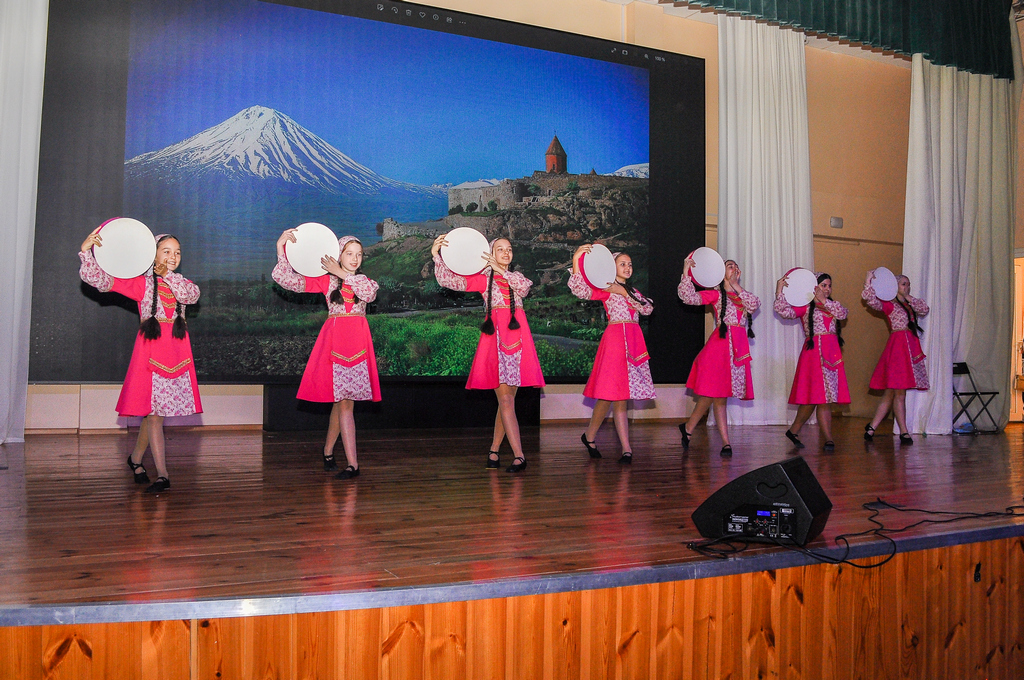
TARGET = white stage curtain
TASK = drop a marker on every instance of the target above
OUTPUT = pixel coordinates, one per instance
(764, 197)
(958, 235)
(22, 57)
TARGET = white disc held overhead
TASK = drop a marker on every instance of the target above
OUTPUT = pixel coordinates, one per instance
(885, 284)
(464, 250)
(128, 248)
(598, 267)
(709, 267)
(313, 242)
(799, 290)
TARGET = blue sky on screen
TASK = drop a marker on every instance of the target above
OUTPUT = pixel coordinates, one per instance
(412, 104)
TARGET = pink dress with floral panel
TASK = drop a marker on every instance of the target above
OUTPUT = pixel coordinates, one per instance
(622, 368)
(722, 368)
(161, 378)
(508, 357)
(902, 364)
(342, 364)
(820, 374)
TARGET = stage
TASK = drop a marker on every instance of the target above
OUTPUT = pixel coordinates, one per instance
(253, 528)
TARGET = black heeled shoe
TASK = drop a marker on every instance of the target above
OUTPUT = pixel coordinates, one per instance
(869, 432)
(516, 467)
(830, 445)
(627, 458)
(686, 435)
(796, 440)
(906, 439)
(726, 450)
(495, 462)
(349, 472)
(591, 449)
(140, 477)
(161, 484)
(329, 464)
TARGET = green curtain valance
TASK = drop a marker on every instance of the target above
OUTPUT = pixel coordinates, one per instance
(973, 35)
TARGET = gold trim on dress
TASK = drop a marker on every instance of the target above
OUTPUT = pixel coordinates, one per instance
(351, 358)
(175, 369)
(333, 315)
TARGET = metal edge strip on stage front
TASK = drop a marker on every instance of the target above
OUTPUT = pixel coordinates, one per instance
(121, 612)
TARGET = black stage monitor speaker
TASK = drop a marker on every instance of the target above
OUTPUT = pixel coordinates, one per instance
(779, 502)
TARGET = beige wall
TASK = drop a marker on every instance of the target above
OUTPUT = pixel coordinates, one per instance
(858, 122)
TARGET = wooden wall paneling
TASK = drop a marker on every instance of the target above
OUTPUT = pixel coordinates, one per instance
(524, 651)
(957, 645)
(1014, 621)
(913, 581)
(799, 640)
(130, 650)
(633, 637)
(891, 583)
(445, 627)
(562, 635)
(760, 611)
(317, 643)
(402, 650)
(486, 630)
(725, 642)
(22, 649)
(360, 643)
(166, 649)
(673, 639)
(598, 633)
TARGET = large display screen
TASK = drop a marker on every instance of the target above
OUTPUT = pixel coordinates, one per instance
(394, 123)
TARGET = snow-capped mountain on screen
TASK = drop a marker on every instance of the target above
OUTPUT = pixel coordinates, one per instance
(641, 170)
(264, 145)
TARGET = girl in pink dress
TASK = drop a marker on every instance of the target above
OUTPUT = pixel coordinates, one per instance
(722, 369)
(342, 367)
(820, 377)
(161, 379)
(902, 364)
(505, 356)
(622, 368)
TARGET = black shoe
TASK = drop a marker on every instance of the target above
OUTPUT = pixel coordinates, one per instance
(591, 449)
(686, 435)
(869, 432)
(726, 450)
(139, 471)
(516, 467)
(627, 458)
(329, 464)
(493, 460)
(796, 440)
(830, 445)
(348, 473)
(906, 439)
(161, 484)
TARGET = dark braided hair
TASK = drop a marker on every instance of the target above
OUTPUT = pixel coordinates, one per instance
(150, 328)
(632, 293)
(487, 327)
(721, 315)
(810, 317)
(912, 323)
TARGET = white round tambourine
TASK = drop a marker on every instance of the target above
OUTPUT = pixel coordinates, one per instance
(463, 252)
(799, 290)
(128, 249)
(598, 267)
(709, 267)
(313, 242)
(885, 284)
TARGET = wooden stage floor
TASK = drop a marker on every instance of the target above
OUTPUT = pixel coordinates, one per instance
(254, 526)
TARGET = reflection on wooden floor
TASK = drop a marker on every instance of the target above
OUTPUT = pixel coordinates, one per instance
(253, 514)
